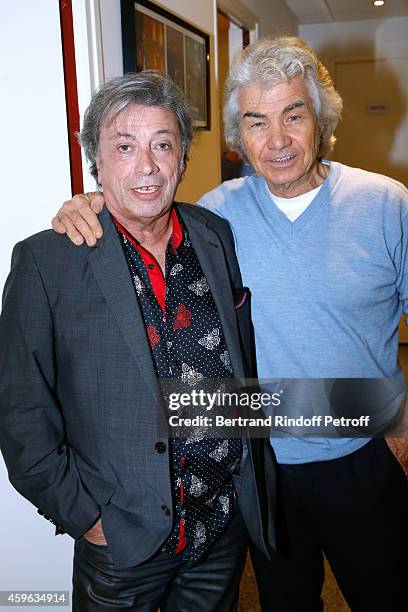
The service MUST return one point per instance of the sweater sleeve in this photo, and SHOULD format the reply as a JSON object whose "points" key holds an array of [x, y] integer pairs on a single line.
{"points": [[400, 257]]}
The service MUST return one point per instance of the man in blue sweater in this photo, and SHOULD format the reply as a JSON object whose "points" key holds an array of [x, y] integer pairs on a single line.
{"points": [[323, 249]]}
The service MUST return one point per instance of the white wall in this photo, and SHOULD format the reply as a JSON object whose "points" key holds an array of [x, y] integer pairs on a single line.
{"points": [[376, 37], [275, 18], [35, 180], [383, 39], [34, 147], [196, 11]]}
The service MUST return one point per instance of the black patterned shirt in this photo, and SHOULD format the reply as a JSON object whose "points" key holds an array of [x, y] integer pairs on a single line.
{"points": [[187, 342]]}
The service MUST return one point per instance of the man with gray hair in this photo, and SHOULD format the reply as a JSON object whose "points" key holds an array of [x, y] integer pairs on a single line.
{"points": [[323, 248], [87, 333]]}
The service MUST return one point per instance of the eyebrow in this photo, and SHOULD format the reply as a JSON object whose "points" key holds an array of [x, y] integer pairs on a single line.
{"points": [[287, 109], [132, 137], [253, 114], [291, 107]]}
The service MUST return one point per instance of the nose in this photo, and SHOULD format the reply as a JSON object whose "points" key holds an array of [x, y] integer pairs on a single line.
{"points": [[278, 137], [145, 163]]}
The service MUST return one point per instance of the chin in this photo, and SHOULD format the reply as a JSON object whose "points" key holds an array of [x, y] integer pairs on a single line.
{"points": [[281, 179], [148, 212]]}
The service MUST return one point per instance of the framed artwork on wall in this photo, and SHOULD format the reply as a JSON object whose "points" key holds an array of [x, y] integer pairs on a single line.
{"points": [[153, 38]]}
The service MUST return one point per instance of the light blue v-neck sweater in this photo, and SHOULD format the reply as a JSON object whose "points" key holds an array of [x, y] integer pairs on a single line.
{"points": [[328, 289]]}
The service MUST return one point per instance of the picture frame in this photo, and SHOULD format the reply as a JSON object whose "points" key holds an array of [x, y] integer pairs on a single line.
{"points": [[154, 38]]}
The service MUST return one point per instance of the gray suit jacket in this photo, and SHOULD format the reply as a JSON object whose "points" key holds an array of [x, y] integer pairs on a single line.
{"points": [[79, 396]]}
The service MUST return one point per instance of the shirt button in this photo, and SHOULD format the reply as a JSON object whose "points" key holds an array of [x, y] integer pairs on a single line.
{"points": [[165, 510], [160, 447], [150, 266]]}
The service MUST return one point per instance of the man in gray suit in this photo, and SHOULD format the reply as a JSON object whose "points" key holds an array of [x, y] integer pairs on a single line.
{"points": [[86, 334]]}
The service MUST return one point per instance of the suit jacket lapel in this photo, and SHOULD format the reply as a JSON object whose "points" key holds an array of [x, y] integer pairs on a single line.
{"points": [[108, 264], [210, 253]]}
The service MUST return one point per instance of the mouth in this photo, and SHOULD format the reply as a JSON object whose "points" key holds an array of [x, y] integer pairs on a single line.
{"points": [[147, 189], [282, 160]]}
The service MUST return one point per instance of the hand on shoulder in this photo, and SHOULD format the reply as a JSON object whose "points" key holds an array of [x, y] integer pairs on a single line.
{"points": [[78, 218]]}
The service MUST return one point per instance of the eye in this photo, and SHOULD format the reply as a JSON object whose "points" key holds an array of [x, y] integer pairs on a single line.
{"points": [[293, 118], [124, 148], [257, 124], [163, 146]]}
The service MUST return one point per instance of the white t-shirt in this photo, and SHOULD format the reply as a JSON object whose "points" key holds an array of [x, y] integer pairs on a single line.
{"points": [[293, 207]]}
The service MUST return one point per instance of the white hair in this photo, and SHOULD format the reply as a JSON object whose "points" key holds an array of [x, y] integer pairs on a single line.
{"points": [[271, 61]]}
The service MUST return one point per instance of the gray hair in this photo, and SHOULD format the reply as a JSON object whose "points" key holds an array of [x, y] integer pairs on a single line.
{"points": [[147, 88], [271, 61]]}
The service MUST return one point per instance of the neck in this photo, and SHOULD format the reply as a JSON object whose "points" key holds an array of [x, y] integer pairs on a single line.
{"points": [[313, 179], [152, 234], [148, 232]]}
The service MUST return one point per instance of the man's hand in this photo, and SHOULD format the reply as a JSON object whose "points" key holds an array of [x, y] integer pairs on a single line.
{"points": [[95, 534], [78, 218]]}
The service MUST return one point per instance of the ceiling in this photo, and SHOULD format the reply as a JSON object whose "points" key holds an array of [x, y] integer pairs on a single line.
{"points": [[324, 11]]}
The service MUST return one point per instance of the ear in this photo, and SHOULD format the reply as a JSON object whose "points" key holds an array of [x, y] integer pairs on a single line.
{"points": [[182, 167], [98, 163]]}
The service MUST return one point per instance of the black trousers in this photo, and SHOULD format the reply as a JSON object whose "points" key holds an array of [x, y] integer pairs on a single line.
{"points": [[355, 510], [171, 582]]}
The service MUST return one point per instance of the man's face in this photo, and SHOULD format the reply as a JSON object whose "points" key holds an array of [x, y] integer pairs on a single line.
{"points": [[280, 136], [139, 163]]}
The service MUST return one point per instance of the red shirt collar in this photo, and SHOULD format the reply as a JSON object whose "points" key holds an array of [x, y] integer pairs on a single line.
{"points": [[176, 236]]}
